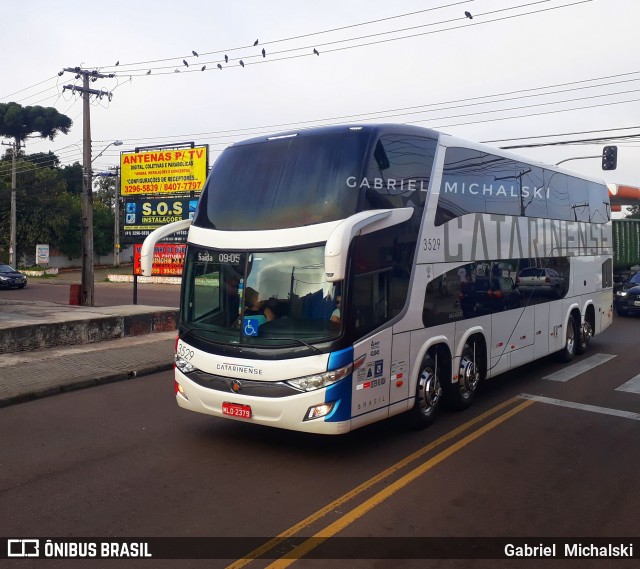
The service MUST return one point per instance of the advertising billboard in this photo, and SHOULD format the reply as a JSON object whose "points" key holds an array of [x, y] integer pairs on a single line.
{"points": [[168, 259], [143, 215], [177, 171]]}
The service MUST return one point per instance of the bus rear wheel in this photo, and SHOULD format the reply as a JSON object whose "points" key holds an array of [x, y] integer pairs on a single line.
{"points": [[428, 395], [460, 395], [567, 353], [586, 333]]}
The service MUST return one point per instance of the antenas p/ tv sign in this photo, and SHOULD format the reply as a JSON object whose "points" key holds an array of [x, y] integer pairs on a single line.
{"points": [[163, 171]]}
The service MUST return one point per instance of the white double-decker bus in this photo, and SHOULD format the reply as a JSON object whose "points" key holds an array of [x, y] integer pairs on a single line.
{"points": [[338, 276]]}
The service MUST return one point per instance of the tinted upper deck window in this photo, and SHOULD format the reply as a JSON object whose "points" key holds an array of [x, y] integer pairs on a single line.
{"points": [[399, 172], [287, 182], [478, 182]]}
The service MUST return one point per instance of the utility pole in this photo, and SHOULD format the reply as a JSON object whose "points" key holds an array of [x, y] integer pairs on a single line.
{"points": [[87, 287], [13, 253]]}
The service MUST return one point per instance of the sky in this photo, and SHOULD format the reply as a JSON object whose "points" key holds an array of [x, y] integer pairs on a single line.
{"points": [[519, 72]]}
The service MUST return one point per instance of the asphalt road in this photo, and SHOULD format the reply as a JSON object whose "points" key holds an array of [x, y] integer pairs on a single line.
{"points": [[57, 289], [123, 460]]}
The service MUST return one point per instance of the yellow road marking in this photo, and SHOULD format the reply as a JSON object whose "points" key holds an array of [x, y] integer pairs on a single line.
{"points": [[293, 530], [359, 511]]}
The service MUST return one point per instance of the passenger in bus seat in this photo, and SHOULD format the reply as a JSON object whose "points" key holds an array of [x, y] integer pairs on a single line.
{"points": [[335, 315]]}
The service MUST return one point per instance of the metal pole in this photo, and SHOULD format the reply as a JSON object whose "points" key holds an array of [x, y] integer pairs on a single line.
{"points": [[87, 201], [116, 224], [135, 286], [578, 158]]}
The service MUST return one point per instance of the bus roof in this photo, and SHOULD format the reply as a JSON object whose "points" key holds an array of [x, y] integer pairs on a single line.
{"points": [[378, 129]]}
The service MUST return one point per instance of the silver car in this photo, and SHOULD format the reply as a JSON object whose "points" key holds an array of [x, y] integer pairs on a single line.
{"points": [[535, 280]]}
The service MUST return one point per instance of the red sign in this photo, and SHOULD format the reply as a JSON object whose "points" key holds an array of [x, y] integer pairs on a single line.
{"points": [[168, 259]]}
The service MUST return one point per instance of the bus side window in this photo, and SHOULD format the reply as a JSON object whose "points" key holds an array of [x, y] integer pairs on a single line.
{"points": [[381, 268]]}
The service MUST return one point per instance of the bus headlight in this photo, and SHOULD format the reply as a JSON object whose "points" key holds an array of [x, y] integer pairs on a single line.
{"points": [[319, 411], [320, 380], [183, 365]]}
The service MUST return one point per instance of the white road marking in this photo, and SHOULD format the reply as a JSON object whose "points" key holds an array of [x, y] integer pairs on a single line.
{"points": [[578, 368], [632, 386], [582, 407]]}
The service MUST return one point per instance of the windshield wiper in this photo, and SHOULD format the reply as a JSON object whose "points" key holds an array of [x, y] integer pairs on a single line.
{"points": [[311, 347]]}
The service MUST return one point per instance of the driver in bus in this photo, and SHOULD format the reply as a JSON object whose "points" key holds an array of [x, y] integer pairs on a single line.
{"points": [[257, 308]]}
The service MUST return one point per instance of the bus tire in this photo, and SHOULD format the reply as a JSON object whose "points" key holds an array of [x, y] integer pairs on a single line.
{"points": [[428, 395], [586, 332], [567, 353], [460, 395]]}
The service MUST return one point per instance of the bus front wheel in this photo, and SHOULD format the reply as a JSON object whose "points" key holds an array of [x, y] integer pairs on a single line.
{"points": [[460, 395], [428, 395]]}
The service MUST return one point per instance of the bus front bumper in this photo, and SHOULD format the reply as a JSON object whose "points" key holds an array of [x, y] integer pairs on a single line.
{"points": [[282, 412]]}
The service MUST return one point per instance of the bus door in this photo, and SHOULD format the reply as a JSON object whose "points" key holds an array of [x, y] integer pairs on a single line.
{"points": [[372, 378]]}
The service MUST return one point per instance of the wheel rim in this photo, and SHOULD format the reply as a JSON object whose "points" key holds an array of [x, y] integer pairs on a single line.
{"points": [[587, 332], [571, 339], [469, 375], [430, 391]]}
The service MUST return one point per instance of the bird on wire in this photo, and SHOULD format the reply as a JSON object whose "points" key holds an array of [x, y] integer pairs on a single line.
{"points": [[194, 53], [185, 63], [117, 62], [219, 66], [149, 72], [226, 59], [242, 63], [264, 53], [316, 51], [468, 15], [203, 68], [176, 71], [255, 43]]}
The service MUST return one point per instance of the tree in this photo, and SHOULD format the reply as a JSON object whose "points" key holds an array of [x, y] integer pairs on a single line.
{"points": [[18, 122], [634, 212], [74, 177], [105, 189]]}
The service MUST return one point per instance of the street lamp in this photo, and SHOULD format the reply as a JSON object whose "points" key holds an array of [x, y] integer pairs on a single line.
{"points": [[114, 143], [87, 286]]}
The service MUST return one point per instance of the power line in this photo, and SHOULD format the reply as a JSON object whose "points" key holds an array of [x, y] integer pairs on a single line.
{"points": [[311, 34], [178, 65], [27, 88], [556, 135], [257, 130]]}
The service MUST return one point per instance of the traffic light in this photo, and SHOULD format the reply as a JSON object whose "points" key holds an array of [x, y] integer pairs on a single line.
{"points": [[609, 157]]}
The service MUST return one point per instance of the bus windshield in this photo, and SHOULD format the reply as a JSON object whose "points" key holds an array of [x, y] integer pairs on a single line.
{"points": [[269, 299], [288, 182]]}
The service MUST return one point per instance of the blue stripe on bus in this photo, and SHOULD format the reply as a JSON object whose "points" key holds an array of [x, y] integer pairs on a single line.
{"points": [[340, 393], [340, 359]]}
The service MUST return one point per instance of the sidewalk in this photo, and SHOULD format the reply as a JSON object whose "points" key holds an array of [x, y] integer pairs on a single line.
{"points": [[28, 375], [48, 348]]}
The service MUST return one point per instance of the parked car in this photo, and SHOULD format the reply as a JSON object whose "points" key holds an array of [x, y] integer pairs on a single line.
{"points": [[10, 278], [627, 298], [535, 280], [487, 295]]}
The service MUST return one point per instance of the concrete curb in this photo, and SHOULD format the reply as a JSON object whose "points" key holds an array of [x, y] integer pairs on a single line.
{"points": [[84, 383], [89, 330]]}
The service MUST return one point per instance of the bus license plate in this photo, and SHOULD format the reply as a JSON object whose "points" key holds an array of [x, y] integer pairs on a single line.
{"points": [[236, 410]]}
